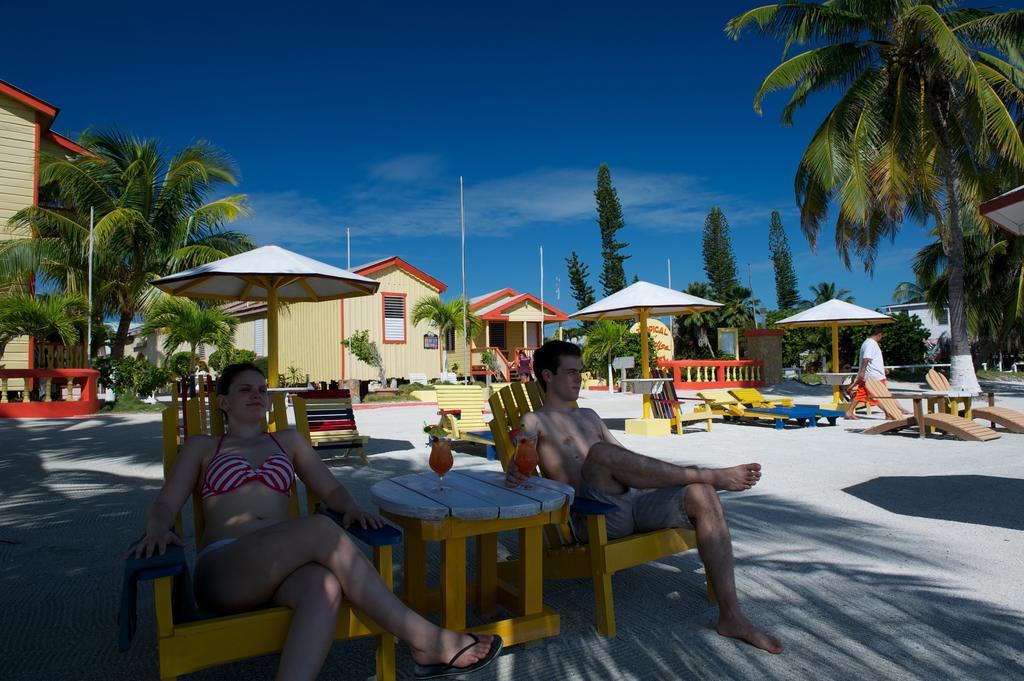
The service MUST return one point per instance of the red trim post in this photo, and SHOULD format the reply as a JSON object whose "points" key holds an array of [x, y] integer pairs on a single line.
{"points": [[383, 318]]}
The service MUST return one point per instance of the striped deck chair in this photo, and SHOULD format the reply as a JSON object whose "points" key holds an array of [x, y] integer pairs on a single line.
{"points": [[326, 417], [668, 405]]}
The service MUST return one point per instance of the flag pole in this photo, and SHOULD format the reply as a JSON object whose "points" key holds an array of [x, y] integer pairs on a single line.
{"points": [[465, 307], [88, 332], [541, 295]]}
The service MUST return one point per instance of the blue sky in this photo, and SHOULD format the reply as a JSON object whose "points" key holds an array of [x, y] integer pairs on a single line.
{"points": [[364, 115]]}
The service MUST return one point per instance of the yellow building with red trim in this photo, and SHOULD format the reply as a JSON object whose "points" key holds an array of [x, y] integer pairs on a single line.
{"points": [[25, 133]]}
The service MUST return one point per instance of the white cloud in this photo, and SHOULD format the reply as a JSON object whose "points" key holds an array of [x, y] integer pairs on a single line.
{"points": [[413, 196]]}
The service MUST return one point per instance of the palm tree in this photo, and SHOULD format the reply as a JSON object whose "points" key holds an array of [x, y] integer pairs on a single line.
{"points": [[908, 292], [445, 317], [605, 340], [737, 310], [826, 291], [698, 323], [925, 124], [40, 317], [153, 216], [185, 322]]}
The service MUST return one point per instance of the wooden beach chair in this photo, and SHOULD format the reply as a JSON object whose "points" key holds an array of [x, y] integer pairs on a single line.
{"points": [[668, 405], [326, 417], [186, 645], [731, 409], [1010, 419], [564, 557], [461, 408], [956, 426], [752, 397]]}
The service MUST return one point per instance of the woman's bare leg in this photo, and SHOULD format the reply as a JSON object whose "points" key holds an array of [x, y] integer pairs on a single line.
{"points": [[272, 554], [314, 593]]}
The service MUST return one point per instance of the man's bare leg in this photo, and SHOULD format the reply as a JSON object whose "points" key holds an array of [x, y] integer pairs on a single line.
{"points": [[714, 543], [613, 468]]}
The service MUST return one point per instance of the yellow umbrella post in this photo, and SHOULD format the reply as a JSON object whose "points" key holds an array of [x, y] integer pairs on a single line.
{"points": [[645, 364], [272, 370], [835, 359]]}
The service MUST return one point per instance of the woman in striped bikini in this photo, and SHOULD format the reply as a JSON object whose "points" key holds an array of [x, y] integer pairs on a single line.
{"points": [[252, 554]]}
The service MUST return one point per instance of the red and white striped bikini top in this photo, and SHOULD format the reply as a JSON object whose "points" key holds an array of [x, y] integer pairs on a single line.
{"points": [[230, 471]]}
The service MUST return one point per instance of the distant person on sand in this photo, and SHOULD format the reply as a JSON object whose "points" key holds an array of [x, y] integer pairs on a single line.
{"points": [[871, 366], [576, 448]]}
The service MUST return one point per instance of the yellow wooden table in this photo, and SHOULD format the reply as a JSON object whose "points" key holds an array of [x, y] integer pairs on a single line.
{"points": [[476, 504]]}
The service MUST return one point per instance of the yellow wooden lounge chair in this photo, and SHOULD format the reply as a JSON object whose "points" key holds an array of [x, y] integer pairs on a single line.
{"points": [[461, 408], [1010, 419], [956, 426], [564, 558], [752, 397], [326, 417], [184, 647]]}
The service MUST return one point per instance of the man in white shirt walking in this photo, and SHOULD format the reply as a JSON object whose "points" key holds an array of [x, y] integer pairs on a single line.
{"points": [[872, 366]]}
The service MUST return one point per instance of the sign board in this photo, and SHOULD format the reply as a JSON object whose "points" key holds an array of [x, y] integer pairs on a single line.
{"points": [[430, 341], [661, 335], [623, 363], [729, 342]]}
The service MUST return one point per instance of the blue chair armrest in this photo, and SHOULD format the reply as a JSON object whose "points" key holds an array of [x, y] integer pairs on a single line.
{"points": [[585, 506], [388, 535], [171, 564]]}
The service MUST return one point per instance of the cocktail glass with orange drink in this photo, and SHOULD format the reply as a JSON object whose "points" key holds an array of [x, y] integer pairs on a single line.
{"points": [[526, 458], [441, 460]]}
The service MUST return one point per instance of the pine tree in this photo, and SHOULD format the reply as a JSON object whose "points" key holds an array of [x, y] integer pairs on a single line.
{"points": [[786, 295], [609, 219], [582, 291], [719, 260]]}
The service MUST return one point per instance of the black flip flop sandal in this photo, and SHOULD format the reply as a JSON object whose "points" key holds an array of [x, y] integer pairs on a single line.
{"points": [[436, 671]]}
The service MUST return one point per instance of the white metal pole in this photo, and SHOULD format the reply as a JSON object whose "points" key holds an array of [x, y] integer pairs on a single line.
{"points": [[348, 266], [541, 295], [465, 305], [88, 332]]}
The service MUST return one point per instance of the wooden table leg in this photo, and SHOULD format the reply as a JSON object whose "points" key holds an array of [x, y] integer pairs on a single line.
{"points": [[531, 570], [453, 583], [415, 572], [487, 573], [922, 429]]}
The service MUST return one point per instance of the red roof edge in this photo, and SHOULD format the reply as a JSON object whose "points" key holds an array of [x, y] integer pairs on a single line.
{"points": [[555, 315], [491, 298], [403, 265], [65, 143], [28, 100], [1003, 201]]}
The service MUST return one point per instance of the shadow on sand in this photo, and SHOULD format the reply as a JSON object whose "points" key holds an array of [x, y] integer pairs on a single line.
{"points": [[975, 499]]}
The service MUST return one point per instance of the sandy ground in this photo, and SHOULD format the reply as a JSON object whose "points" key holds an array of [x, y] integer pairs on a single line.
{"points": [[882, 557]]}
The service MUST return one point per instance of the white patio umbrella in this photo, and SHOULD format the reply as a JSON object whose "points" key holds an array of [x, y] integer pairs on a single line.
{"points": [[1007, 210], [272, 274], [835, 313], [640, 301]]}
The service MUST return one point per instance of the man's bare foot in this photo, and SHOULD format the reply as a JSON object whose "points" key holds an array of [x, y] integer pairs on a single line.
{"points": [[450, 643], [852, 417], [737, 478], [740, 627]]}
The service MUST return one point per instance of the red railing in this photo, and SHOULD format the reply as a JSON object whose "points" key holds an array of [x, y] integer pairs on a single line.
{"points": [[63, 393], [479, 368], [698, 374]]}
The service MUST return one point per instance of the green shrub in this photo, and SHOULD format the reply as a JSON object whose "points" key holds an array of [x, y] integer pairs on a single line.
{"points": [[152, 380], [178, 364], [125, 376], [903, 342], [261, 364], [222, 358]]}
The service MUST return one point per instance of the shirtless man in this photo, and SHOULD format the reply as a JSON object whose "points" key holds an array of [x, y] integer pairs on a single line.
{"points": [[575, 447]]}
